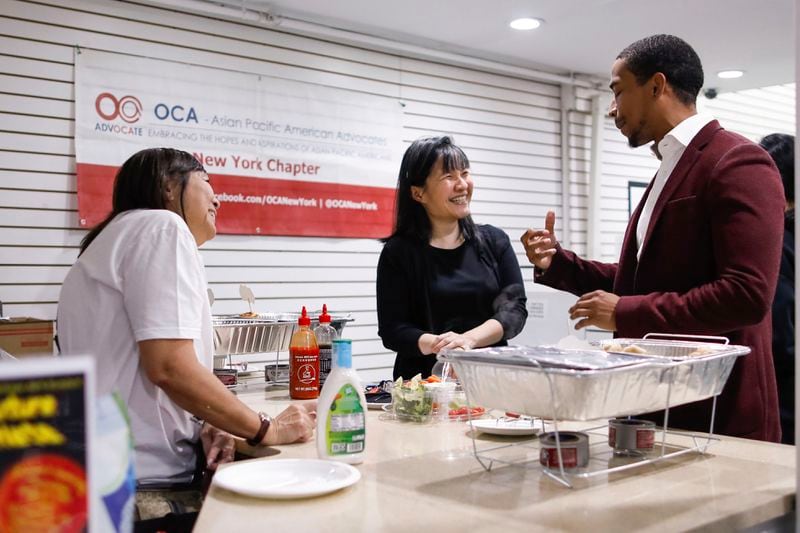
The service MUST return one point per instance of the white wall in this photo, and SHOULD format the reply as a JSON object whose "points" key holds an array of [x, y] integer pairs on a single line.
{"points": [[509, 127]]}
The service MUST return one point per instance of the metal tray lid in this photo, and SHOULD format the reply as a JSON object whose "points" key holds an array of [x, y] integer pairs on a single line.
{"points": [[544, 357]]}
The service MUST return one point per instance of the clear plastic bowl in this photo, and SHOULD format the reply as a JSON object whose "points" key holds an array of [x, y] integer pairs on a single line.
{"points": [[441, 394], [412, 404]]}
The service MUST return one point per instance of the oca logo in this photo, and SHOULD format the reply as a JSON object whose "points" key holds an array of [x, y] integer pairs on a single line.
{"points": [[177, 113], [128, 108]]}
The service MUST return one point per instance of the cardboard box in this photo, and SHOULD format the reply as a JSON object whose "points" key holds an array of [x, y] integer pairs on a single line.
{"points": [[23, 336]]}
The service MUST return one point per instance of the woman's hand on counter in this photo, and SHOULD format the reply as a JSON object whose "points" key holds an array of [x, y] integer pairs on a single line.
{"points": [[486, 334], [425, 343], [218, 446], [429, 343], [295, 424], [451, 341]]}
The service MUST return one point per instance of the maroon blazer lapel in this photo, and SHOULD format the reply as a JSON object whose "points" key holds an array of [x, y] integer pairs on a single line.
{"points": [[681, 171], [624, 282]]}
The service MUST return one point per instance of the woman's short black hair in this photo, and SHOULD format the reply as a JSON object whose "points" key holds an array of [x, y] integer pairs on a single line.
{"points": [[670, 55], [142, 180], [780, 147], [411, 219]]}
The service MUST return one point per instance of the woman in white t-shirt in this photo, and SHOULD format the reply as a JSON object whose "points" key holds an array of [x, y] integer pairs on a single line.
{"points": [[136, 301]]}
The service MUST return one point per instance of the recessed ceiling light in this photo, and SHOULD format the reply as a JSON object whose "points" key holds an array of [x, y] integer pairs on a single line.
{"points": [[525, 24], [729, 74]]}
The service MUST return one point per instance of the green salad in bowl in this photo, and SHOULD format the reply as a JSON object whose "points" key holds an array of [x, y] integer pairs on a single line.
{"points": [[411, 401]]}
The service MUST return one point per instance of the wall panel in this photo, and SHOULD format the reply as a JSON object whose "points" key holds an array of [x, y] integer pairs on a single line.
{"points": [[509, 127]]}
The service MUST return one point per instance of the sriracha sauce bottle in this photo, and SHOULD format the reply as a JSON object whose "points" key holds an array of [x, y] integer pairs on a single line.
{"points": [[303, 361]]}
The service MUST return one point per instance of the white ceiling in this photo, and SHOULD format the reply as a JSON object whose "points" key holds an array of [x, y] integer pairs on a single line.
{"points": [[582, 36]]}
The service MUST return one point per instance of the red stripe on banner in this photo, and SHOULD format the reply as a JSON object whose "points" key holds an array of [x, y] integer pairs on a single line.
{"points": [[267, 206], [95, 188]]}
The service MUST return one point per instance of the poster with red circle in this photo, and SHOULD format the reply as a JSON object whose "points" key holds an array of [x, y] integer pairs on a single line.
{"points": [[44, 452]]}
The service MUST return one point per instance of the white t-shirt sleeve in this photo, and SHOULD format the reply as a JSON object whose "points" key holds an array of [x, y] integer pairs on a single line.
{"points": [[163, 284]]}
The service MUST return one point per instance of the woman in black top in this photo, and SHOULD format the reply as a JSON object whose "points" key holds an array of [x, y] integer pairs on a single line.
{"points": [[443, 281]]}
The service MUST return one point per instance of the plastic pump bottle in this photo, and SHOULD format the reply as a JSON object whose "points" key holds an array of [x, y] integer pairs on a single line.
{"points": [[325, 333], [303, 361], [341, 410]]}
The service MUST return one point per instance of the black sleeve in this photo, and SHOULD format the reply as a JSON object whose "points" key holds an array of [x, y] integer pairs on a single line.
{"points": [[509, 305], [783, 318], [395, 289]]}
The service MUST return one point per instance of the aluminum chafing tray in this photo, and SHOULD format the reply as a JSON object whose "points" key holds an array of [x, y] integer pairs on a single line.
{"points": [[266, 332], [513, 378]]}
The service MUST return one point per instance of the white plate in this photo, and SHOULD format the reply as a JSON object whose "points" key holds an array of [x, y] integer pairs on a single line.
{"points": [[284, 479], [377, 405], [500, 426]]}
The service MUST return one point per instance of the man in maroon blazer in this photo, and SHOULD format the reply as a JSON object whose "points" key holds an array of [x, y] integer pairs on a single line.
{"points": [[701, 251]]}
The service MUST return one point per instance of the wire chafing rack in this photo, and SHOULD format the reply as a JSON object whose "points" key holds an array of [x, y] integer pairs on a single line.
{"points": [[264, 333], [543, 382]]}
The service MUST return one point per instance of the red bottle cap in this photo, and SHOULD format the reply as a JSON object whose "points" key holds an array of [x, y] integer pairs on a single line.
{"points": [[304, 319], [324, 317]]}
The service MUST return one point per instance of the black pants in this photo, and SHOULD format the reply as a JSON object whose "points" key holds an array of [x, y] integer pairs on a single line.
{"points": [[171, 523], [181, 501]]}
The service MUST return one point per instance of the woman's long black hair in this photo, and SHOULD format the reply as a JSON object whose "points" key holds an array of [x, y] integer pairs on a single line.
{"points": [[142, 180], [411, 219]]}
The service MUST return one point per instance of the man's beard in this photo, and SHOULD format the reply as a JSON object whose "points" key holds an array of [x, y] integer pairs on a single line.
{"points": [[636, 137]]}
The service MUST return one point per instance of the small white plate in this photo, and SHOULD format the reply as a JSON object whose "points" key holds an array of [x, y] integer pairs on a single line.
{"points": [[285, 479], [377, 405], [500, 426]]}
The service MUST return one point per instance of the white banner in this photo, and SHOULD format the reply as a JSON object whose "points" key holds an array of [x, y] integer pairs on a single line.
{"points": [[294, 138]]}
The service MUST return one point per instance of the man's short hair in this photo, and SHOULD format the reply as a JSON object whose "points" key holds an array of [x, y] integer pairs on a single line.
{"points": [[671, 56]]}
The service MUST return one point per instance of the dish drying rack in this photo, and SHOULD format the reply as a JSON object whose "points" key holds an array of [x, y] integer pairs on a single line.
{"points": [[267, 334], [666, 377]]}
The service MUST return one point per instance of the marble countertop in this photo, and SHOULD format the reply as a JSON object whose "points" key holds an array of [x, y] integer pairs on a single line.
{"points": [[419, 477]]}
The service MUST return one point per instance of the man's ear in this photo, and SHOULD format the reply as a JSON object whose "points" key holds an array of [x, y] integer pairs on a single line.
{"points": [[659, 84]]}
